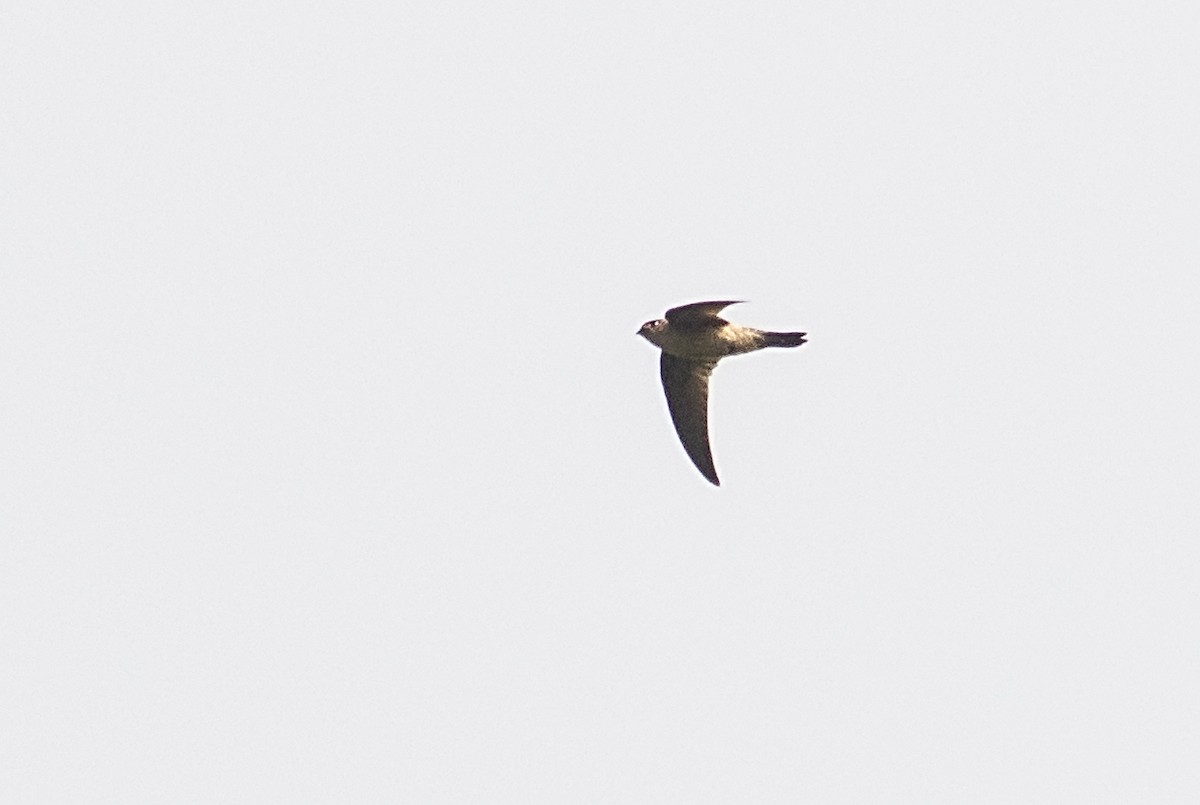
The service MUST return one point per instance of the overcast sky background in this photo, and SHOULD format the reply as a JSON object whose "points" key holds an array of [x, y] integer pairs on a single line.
{"points": [[332, 470]]}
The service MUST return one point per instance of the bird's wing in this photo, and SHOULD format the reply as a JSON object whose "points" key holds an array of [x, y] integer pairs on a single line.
{"points": [[698, 313], [686, 384]]}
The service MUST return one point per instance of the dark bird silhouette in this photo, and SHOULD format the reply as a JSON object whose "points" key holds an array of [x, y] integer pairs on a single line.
{"points": [[692, 339]]}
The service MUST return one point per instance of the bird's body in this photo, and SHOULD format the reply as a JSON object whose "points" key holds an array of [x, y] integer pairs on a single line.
{"points": [[692, 339], [705, 341]]}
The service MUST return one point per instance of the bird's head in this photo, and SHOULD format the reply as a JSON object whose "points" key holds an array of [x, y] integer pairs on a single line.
{"points": [[651, 329]]}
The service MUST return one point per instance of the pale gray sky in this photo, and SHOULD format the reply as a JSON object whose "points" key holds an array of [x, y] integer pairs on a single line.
{"points": [[333, 470]]}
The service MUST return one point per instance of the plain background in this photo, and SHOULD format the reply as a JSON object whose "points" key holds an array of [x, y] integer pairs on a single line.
{"points": [[332, 470]]}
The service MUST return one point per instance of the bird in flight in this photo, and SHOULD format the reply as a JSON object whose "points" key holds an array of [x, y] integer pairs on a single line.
{"points": [[692, 339]]}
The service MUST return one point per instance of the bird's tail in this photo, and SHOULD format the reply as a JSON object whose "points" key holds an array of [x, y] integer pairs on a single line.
{"points": [[783, 339]]}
